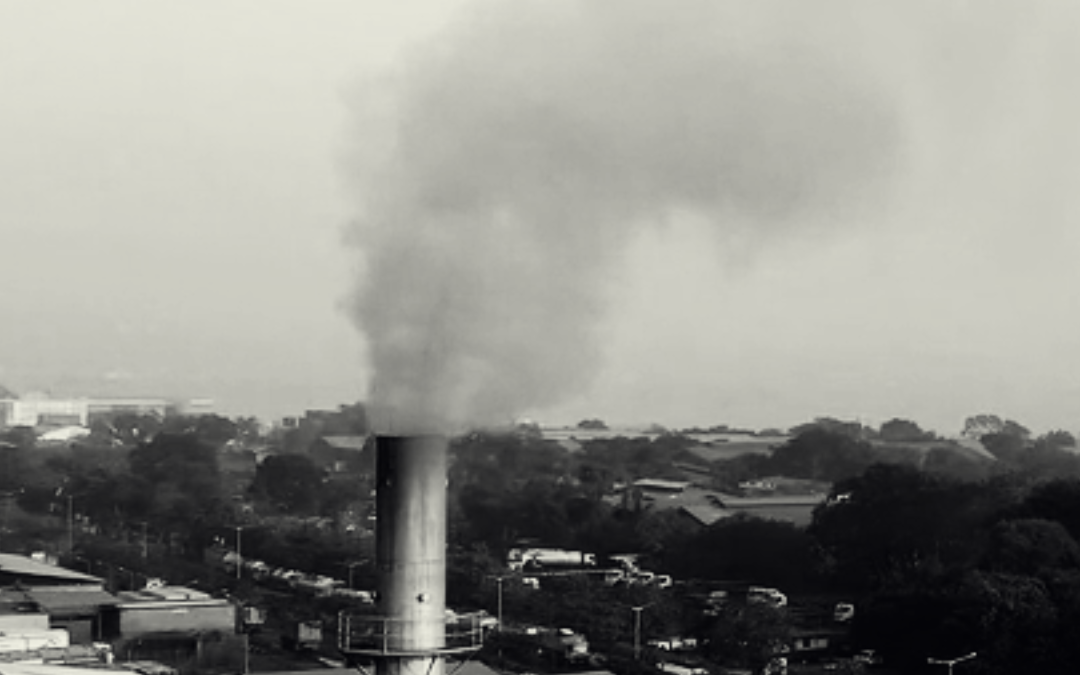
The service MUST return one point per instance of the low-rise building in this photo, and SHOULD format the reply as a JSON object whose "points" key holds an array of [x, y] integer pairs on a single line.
{"points": [[40, 409], [185, 628], [36, 596]]}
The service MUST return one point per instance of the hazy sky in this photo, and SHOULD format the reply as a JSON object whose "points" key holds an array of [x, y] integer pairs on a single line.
{"points": [[177, 181]]}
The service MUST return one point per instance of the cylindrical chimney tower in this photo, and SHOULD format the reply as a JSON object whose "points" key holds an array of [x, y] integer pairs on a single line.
{"points": [[410, 541]]}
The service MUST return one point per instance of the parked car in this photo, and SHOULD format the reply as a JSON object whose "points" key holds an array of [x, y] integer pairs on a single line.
{"points": [[679, 669], [366, 597], [768, 596], [844, 612], [868, 657], [673, 643]]}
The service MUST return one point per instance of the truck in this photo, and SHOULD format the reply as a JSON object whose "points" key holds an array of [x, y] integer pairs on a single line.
{"points": [[542, 648], [303, 636], [520, 559], [564, 642]]}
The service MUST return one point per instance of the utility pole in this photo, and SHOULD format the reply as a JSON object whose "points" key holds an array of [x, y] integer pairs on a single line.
{"points": [[71, 524], [499, 583], [7, 497], [351, 566], [637, 630], [950, 662], [239, 528], [144, 541]]}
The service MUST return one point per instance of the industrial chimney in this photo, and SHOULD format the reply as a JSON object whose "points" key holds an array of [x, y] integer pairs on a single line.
{"points": [[410, 635], [410, 543]]}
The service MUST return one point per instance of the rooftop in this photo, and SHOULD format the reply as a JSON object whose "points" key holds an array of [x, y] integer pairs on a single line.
{"points": [[19, 566], [709, 506], [57, 600], [346, 442]]}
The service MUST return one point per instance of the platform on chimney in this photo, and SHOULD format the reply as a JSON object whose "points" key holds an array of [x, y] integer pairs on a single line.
{"points": [[373, 636]]}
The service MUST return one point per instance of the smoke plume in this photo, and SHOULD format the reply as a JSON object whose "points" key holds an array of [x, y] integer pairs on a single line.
{"points": [[503, 170]]}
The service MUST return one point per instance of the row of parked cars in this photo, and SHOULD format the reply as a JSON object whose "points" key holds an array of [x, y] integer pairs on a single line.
{"points": [[312, 584]]}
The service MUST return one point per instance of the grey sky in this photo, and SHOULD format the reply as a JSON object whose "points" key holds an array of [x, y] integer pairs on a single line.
{"points": [[176, 180]]}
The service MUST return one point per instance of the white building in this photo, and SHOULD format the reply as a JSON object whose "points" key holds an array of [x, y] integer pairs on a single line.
{"points": [[39, 409]]}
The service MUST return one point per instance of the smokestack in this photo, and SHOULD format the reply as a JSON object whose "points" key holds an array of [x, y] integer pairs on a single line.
{"points": [[410, 540]]}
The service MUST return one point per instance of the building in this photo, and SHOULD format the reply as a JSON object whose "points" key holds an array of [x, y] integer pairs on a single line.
{"points": [[705, 507], [344, 454], [795, 509], [70, 601], [179, 626], [43, 606], [19, 570], [39, 409]]}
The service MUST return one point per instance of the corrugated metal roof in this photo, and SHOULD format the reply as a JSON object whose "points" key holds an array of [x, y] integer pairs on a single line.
{"points": [[18, 565], [316, 671], [49, 669], [706, 515], [470, 668], [661, 484], [71, 600]]}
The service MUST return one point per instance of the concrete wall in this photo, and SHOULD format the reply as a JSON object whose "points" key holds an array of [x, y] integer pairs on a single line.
{"points": [[25, 641], [14, 623], [153, 617]]}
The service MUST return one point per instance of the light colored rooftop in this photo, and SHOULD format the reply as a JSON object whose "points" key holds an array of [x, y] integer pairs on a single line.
{"points": [[19, 565]]}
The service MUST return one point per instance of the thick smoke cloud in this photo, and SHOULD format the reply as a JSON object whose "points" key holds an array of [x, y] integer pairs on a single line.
{"points": [[503, 171]]}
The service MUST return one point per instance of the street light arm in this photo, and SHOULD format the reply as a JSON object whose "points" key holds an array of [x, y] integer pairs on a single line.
{"points": [[950, 662]]}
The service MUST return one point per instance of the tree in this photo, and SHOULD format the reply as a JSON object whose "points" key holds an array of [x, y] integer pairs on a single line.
{"points": [[1056, 500], [854, 430], [248, 430], [978, 426], [215, 429], [747, 635], [1031, 547], [903, 431], [592, 424], [181, 473], [290, 482], [766, 552], [180, 459], [15, 444], [895, 523], [1004, 446], [1010, 620], [957, 463], [821, 454], [1058, 439]]}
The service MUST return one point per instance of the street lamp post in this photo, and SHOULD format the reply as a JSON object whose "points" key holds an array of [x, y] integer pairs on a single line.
{"points": [[144, 541], [499, 583], [950, 662], [7, 497], [71, 523], [499, 579], [637, 629], [131, 576], [351, 566], [238, 558]]}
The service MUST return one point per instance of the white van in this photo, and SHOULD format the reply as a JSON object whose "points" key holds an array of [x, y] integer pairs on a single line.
{"points": [[768, 596]]}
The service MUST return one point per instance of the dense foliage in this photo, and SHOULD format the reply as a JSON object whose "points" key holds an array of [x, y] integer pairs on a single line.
{"points": [[946, 547]]}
